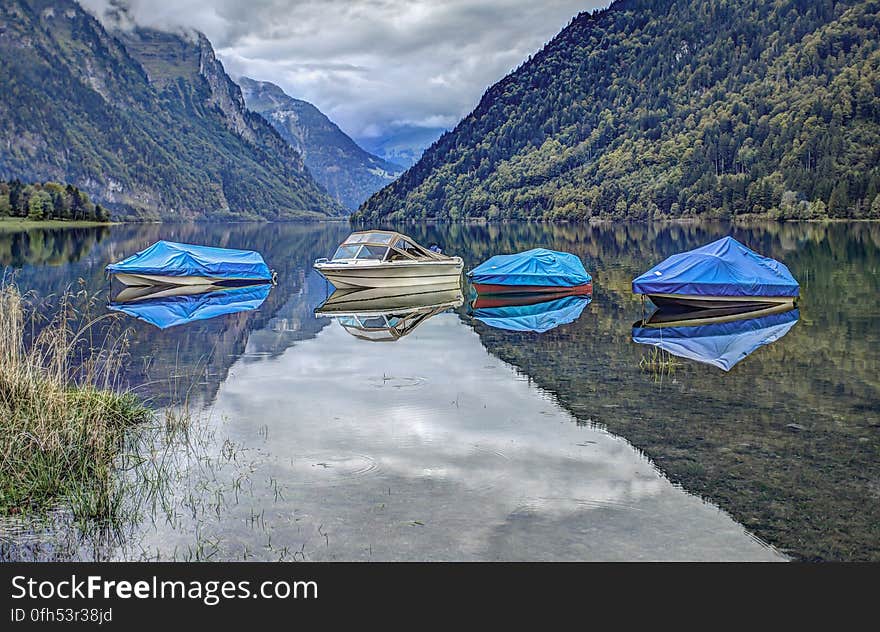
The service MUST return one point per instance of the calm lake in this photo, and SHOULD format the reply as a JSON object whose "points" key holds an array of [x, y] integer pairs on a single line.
{"points": [[466, 440]]}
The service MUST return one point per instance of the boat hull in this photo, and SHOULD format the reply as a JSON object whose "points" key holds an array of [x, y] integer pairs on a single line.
{"points": [[130, 279], [132, 293], [382, 300], [547, 290], [709, 302], [665, 317], [392, 275]]}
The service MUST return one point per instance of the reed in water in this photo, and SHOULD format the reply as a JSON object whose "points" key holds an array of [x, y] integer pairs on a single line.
{"points": [[62, 411]]}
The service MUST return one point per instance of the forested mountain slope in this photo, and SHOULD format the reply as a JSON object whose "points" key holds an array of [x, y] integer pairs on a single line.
{"points": [[152, 128], [657, 108]]}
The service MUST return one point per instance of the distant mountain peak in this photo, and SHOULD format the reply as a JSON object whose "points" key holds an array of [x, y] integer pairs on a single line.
{"points": [[348, 172], [403, 144], [147, 122]]}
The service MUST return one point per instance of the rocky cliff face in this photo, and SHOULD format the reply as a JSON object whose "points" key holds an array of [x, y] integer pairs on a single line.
{"points": [[349, 173], [225, 94], [148, 123]]}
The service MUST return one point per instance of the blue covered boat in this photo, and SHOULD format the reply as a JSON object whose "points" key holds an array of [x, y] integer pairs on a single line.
{"points": [[724, 271], [521, 314], [170, 263], [168, 307], [720, 341], [534, 271]]}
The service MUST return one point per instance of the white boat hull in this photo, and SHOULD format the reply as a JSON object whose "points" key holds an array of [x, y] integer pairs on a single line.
{"points": [[392, 274], [156, 279], [133, 293], [386, 300]]}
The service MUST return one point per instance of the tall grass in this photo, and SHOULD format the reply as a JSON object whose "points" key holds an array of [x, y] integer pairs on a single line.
{"points": [[62, 412]]}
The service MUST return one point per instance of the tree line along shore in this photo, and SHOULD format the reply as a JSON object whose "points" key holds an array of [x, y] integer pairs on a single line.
{"points": [[48, 201]]}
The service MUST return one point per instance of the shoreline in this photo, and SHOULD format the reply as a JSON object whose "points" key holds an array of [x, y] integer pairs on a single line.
{"points": [[15, 224], [12, 224]]}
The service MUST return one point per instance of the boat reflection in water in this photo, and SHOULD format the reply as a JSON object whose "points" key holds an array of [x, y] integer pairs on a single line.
{"points": [[388, 314], [168, 306], [721, 337], [529, 312]]}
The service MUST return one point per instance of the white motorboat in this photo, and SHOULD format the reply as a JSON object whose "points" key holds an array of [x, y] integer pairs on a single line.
{"points": [[388, 259]]}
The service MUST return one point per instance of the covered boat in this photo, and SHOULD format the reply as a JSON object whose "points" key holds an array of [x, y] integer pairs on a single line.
{"points": [[535, 312], [169, 306], [534, 271], [171, 263], [384, 314], [719, 339], [383, 259], [724, 271]]}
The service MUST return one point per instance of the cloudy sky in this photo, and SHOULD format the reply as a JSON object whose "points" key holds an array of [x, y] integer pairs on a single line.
{"points": [[370, 65]]}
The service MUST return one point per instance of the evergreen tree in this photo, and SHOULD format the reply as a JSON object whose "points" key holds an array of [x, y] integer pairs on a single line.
{"points": [[838, 205]]}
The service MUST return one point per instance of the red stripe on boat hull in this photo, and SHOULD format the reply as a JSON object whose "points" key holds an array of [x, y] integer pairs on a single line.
{"points": [[484, 301], [488, 288]]}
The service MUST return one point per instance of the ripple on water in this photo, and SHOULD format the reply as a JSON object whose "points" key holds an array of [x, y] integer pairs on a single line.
{"points": [[487, 450], [392, 381], [324, 468], [492, 470], [542, 504]]}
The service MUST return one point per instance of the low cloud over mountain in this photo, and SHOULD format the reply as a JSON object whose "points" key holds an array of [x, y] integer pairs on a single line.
{"points": [[371, 65]]}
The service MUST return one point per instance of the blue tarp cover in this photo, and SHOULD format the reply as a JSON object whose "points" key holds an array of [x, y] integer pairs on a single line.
{"points": [[722, 268], [539, 317], [538, 266], [178, 310], [168, 258], [719, 344]]}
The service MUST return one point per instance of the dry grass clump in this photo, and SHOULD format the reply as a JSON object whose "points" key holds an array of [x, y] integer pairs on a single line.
{"points": [[62, 414]]}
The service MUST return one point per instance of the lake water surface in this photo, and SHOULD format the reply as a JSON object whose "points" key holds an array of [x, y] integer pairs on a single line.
{"points": [[463, 440]]}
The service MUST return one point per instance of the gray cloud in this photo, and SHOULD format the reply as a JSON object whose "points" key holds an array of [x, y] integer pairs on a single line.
{"points": [[370, 65]]}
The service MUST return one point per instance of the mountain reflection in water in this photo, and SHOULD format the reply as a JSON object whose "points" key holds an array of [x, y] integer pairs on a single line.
{"points": [[467, 441]]}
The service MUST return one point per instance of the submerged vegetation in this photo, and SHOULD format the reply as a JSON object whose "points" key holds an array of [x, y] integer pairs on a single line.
{"points": [[788, 441], [659, 363], [62, 414]]}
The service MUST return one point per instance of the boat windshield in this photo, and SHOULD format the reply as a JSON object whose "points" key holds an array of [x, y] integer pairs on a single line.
{"points": [[371, 238], [346, 252], [372, 252], [383, 246], [373, 322], [380, 238]]}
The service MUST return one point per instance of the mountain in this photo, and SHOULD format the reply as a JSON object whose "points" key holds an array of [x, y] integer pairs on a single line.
{"points": [[660, 108], [349, 173], [147, 123], [404, 145]]}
